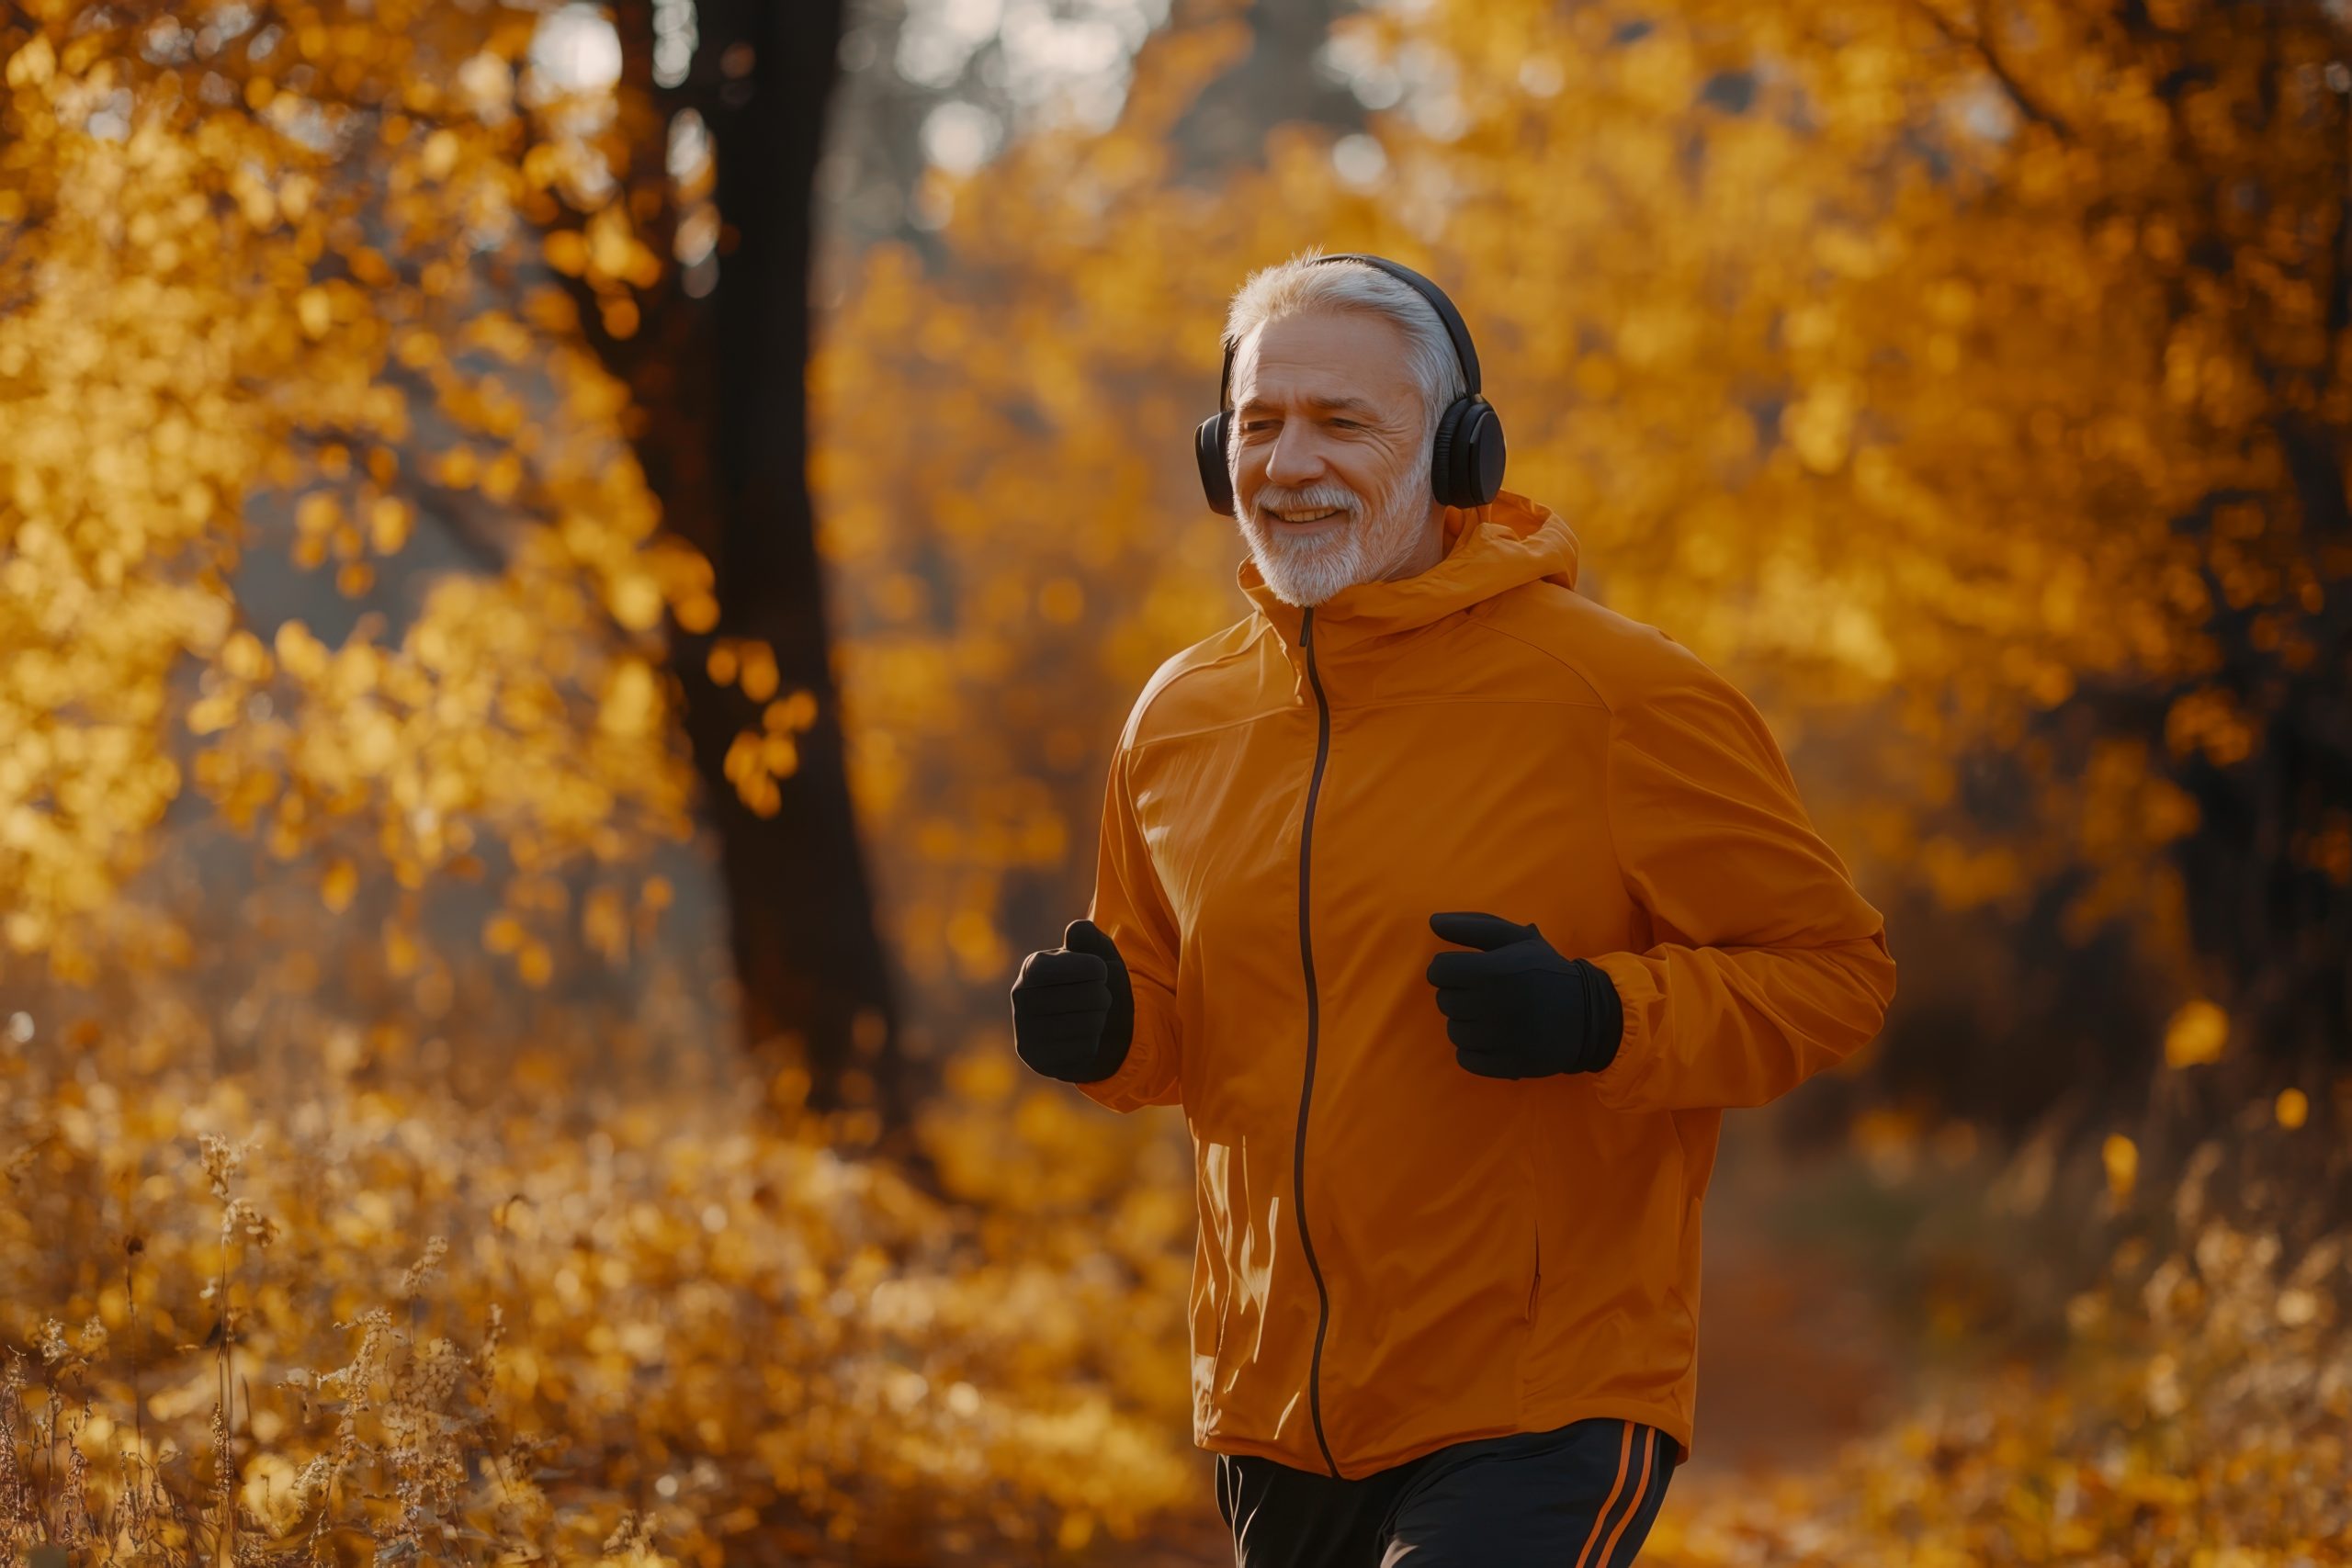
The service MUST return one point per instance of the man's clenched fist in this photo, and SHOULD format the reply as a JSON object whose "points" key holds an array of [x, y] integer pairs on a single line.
{"points": [[1073, 1011], [1517, 1008]]}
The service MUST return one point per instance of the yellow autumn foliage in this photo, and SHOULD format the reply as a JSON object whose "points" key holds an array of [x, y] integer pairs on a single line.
{"points": [[1883, 352]]}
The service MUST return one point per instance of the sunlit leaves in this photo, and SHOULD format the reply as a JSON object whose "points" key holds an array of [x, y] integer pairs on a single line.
{"points": [[757, 760], [278, 261]]}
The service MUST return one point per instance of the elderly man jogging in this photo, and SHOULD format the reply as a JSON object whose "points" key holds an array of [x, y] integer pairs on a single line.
{"points": [[1453, 908]]}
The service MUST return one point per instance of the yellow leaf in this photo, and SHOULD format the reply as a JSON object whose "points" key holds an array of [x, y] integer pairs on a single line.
{"points": [[566, 252], [243, 655], [2195, 1033], [300, 653], [33, 65], [760, 679], [635, 601], [2123, 1158], [388, 525], [631, 702]]}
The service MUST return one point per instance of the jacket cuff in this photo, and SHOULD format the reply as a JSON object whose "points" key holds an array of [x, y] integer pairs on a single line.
{"points": [[1604, 1018], [1144, 1076], [1635, 991]]}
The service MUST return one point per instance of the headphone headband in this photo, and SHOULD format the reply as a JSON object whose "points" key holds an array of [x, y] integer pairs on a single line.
{"points": [[1465, 351]]}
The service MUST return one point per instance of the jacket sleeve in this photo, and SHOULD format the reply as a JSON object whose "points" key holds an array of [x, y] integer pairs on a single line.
{"points": [[1130, 907], [1768, 966]]}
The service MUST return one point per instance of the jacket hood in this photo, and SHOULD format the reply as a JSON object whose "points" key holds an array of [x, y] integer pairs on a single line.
{"points": [[1489, 548]]}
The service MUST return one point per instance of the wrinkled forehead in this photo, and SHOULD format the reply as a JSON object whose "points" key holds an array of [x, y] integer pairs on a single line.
{"points": [[1325, 358]]}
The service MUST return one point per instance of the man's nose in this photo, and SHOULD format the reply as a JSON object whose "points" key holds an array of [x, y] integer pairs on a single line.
{"points": [[1294, 458]]}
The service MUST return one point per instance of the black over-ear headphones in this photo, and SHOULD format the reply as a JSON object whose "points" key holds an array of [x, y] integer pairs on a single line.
{"points": [[1466, 460]]}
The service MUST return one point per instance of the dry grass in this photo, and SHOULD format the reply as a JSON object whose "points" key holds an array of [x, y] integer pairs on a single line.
{"points": [[2198, 1418], [374, 1326]]}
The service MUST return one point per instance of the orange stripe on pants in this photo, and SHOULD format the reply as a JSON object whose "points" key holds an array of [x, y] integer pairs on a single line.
{"points": [[1624, 1453], [1649, 1451]]}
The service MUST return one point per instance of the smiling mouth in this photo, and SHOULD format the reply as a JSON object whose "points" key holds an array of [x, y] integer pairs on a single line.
{"points": [[1302, 520]]}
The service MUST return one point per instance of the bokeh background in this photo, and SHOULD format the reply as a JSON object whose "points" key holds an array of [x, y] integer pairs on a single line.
{"points": [[569, 573]]}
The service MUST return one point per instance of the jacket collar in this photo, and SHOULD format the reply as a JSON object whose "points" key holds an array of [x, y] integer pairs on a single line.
{"points": [[1489, 548]]}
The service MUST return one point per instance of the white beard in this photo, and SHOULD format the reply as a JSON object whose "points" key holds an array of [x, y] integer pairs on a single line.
{"points": [[1308, 569]]}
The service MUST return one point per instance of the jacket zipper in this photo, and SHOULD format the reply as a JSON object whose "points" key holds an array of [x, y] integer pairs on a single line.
{"points": [[1307, 1085]]}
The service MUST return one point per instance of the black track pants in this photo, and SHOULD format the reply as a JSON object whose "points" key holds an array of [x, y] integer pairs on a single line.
{"points": [[1580, 1496]]}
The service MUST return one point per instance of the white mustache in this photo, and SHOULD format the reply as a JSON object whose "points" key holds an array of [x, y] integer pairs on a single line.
{"points": [[1313, 497]]}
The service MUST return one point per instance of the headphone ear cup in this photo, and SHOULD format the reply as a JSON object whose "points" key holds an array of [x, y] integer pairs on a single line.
{"points": [[1441, 454], [1466, 459], [1208, 450], [1445, 455], [1482, 455]]}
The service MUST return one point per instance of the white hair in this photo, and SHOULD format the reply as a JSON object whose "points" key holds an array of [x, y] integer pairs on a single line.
{"points": [[1304, 284]]}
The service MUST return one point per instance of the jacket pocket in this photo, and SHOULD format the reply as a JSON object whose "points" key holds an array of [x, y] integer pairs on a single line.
{"points": [[1223, 1185], [1535, 1143], [1535, 1263]]}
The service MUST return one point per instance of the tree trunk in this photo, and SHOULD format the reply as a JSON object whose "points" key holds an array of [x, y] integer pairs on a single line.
{"points": [[720, 382]]}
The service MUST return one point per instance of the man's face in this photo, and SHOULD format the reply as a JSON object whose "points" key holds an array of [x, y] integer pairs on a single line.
{"points": [[1330, 467]]}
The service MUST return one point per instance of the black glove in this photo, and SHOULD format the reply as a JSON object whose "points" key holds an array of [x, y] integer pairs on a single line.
{"points": [[1519, 1010], [1073, 1010]]}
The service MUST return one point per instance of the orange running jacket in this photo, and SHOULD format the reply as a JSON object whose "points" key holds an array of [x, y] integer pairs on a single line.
{"points": [[1394, 1253]]}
